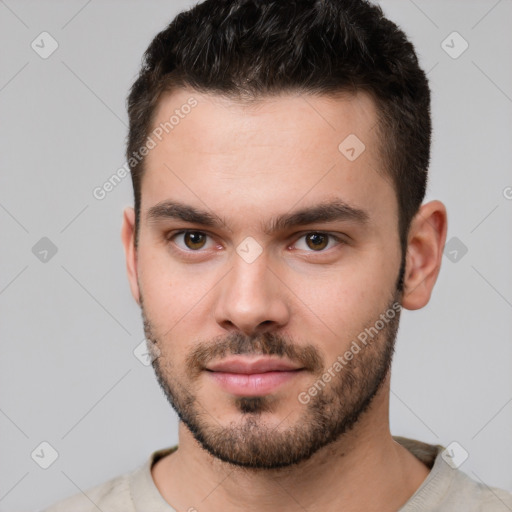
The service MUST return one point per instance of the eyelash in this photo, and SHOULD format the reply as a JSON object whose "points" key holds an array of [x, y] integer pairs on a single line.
{"points": [[190, 253]]}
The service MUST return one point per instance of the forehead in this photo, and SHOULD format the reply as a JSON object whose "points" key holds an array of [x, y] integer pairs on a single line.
{"points": [[298, 116], [276, 151]]}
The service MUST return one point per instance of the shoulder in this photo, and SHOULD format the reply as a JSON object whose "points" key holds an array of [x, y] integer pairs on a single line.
{"points": [[447, 488], [110, 496], [477, 496], [127, 492]]}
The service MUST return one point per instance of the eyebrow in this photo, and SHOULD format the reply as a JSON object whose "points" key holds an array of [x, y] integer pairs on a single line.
{"points": [[330, 211]]}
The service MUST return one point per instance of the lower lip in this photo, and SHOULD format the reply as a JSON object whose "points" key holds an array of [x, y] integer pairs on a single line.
{"points": [[255, 384]]}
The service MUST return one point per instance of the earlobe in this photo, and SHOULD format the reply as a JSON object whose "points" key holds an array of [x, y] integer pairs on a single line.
{"points": [[427, 236], [128, 239]]}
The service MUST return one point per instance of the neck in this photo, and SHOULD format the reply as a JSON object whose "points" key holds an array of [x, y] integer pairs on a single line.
{"points": [[364, 470]]}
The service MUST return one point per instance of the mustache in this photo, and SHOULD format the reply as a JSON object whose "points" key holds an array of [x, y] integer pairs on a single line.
{"points": [[269, 344]]}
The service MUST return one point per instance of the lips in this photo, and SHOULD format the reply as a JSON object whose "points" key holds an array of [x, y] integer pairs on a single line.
{"points": [[242, 376], [243, 365]]}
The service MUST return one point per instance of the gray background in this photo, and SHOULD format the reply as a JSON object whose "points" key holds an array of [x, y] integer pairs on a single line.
{"points": [[69, 326]]}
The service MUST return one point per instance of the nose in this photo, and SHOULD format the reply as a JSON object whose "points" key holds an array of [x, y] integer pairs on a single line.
{"points": [[252, 299]]}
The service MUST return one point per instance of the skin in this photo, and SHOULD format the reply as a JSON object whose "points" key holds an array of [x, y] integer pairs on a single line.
{"points": [[248, 164]]}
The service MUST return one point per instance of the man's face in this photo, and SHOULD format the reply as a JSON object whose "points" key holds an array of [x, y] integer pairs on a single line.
{"points": [[249, 286]]}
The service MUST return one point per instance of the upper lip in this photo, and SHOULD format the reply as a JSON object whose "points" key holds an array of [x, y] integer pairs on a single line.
{"points": [[245, 365]]}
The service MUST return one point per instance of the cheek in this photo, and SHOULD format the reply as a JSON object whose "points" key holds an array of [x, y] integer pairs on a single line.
{"points": [[361, 279], [175, 297], [336, 306], [163, 290]]}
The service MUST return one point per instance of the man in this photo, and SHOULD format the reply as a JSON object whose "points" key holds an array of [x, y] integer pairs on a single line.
{"points": [[279, 155]]}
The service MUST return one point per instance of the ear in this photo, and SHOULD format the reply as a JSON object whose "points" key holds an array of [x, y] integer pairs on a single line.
{"points": [[427, 236], [130, 251]]}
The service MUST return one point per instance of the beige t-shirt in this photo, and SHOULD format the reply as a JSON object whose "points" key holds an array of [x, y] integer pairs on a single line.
{"points": [[444, 490]]}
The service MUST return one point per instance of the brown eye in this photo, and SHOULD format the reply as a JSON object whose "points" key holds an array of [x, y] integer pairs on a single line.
{"points": [[317, 241], [194, 240]]}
